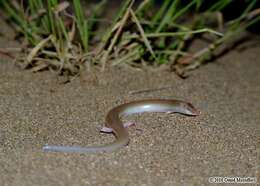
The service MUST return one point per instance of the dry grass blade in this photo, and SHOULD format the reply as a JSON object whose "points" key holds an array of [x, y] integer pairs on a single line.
{"points": [[61, 7], [146, 41], [56, 64], [254, 13], [40, 13], [40, 65], [72, 33], [132, 55], [35, 50], [116, 36]]}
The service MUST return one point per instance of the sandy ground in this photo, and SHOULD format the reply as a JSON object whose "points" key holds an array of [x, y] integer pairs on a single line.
{"points": [[165, 149]]}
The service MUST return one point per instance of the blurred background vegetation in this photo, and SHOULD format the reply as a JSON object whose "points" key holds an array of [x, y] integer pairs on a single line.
{"points": [[70, 36]]}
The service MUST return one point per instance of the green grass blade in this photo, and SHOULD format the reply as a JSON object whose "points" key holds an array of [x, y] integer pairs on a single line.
{"points": [[161, 11], [82, 24], [219, 5], [183, 10], [167, 18], [96, 11]]}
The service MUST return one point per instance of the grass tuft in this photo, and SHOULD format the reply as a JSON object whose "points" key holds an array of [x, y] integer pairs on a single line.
{"points": [[60, 36]]}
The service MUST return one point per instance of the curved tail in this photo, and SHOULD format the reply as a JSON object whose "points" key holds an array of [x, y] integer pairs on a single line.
{"points": [[118, 143]]}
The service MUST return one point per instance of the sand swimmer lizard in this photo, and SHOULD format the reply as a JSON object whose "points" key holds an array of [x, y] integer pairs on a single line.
{"points": [[115, 125]]}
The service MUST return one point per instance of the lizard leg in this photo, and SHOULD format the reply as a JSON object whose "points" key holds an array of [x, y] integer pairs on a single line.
{"points": [[109, 130]]}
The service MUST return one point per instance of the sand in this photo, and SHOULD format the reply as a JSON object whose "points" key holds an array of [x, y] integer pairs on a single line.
{"points": [[165, 149]]}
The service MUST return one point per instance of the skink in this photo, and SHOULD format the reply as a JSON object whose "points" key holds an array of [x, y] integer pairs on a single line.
{"points": [[113, 121]]}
